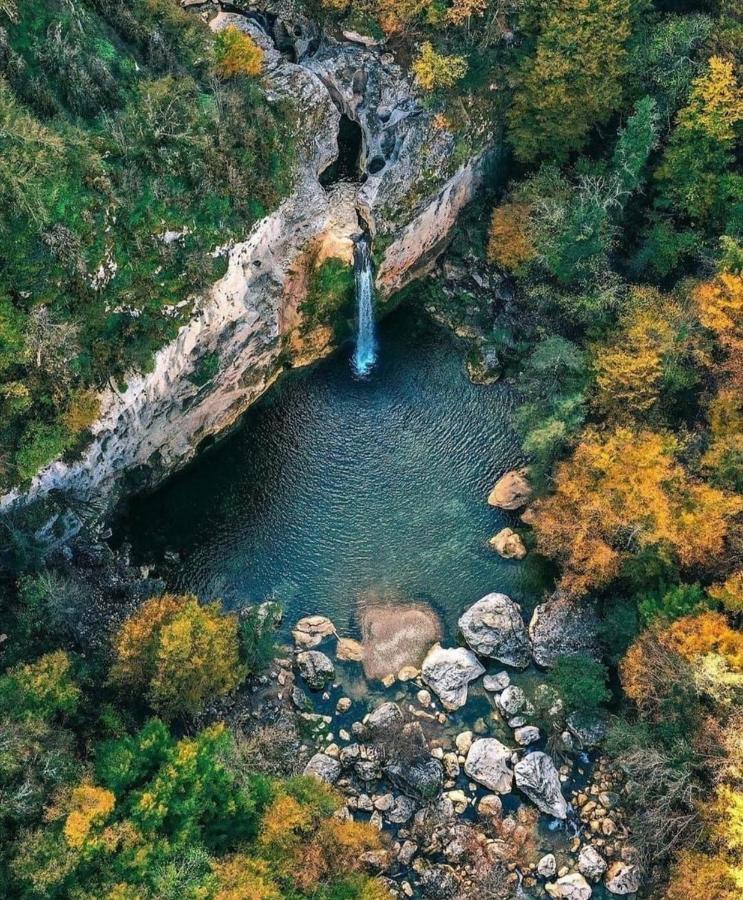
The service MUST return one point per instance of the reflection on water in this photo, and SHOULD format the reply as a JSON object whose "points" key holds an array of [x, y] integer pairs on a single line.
{"points": [[336, 487]]}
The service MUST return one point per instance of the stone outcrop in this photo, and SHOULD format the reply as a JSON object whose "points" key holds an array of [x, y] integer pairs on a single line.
{"points": [[511, 491], [411, 194], [448, 672], [311, 631], [493, 627], [508, 544], [563, 627], [487, 764], [538, 778]]}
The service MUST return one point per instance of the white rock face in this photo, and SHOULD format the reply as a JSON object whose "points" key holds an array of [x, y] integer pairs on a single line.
{"points": [[525, 735], [324, 768], [448, 672], [623, 878], [493, 627], [487, 764], [547, 866], [591, 863], [495, 683], [570, 887], [538, 778], [248, 318]]}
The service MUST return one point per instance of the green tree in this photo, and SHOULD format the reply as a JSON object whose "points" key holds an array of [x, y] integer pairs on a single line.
{"points": [[581, 683]]}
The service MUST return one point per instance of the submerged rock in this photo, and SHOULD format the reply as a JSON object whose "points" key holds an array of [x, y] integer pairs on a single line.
{"points": [[487, 764], [448, 672], [349, 650], [538, 778], [562, 627], [395, 636], [511, 491], [493, 627], [316, 669], [508, 544], [570, 887]]}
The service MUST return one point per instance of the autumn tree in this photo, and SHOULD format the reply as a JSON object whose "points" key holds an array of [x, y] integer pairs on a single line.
{"points": [[237, 54], [573, 79], [653, 354], [178, 652], [624, 491], [509, 243], [435, 70]]}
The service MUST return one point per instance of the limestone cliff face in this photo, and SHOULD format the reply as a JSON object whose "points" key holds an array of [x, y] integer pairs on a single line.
{"points": [[252, 318]]}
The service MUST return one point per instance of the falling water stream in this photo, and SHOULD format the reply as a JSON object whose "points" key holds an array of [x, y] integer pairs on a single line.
{"points": [[365, 354]]}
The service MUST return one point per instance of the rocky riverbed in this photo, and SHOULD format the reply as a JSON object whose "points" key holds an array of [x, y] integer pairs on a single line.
{"points": [[481, 783]]}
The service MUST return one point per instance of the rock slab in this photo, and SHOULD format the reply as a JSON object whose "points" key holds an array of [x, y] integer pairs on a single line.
{"points": [[487, 764], [538, 778], [448, 672]]}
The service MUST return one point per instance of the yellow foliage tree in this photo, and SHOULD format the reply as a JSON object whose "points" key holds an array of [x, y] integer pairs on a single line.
{"points": [[179, 651], [701, 875], [730, 592], [434, 70], [462, 11], [509, 242], [623, 491], [237, 54], [709, 632], [241, 877], [654, 330], [90, 805]]}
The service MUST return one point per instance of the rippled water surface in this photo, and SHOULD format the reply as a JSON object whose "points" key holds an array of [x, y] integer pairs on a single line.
{"points": [[336, 490]]}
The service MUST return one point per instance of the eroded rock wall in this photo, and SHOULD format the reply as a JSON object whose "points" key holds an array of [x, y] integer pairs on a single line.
{"points": [[252, 317]]}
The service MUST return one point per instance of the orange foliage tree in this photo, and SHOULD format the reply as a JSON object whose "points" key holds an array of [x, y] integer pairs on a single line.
{"points": [[179, 652], [509, 242], [237, 54], [623, 491]]}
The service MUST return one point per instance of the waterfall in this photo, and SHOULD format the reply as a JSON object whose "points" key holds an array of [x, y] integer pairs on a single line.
{"points": [[365, 354]]}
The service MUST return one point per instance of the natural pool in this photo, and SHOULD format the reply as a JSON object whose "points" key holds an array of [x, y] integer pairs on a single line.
{"points": [[336, 490]]}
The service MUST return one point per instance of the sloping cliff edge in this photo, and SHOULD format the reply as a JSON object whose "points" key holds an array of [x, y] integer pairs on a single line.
{"points": [[250, 322]]}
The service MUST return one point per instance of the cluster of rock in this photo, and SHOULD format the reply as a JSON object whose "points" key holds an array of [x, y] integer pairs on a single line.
{"points": [[439, 793]]}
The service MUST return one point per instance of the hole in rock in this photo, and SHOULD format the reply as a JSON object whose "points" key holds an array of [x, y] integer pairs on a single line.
{"points": [[346, 165], [376, 164]]}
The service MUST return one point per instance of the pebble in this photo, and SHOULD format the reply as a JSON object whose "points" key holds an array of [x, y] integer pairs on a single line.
{"points": [[424, 698]]}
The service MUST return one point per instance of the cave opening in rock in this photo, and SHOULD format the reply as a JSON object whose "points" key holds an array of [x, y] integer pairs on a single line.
{"points": [[346, 166]]}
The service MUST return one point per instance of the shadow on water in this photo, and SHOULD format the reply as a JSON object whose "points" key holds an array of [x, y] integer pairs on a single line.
{"points": [[335, 486]]}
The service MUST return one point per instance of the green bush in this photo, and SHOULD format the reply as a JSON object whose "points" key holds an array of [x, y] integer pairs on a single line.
{"points": [[581, 683]]}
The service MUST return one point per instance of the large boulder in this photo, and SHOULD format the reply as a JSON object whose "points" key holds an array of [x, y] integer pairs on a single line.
{"points": [[493, 627], [588, 727], [324, 768], [570, 887], [312, 630], [508, 544], [623, 878], [316, 669], [538, 778], [511, 491], [422, 778], [487, 764], [562, 627], [448, 672]]}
